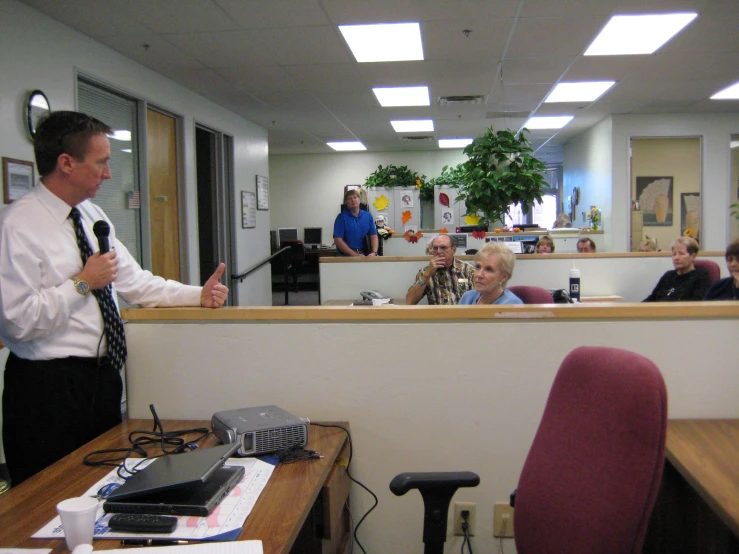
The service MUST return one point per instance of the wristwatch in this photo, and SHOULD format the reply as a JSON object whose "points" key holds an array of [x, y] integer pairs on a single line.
{"points": [[81, 286], [421, 282]]}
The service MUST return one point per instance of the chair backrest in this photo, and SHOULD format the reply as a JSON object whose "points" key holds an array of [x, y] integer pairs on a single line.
{"points": [[710, 267], [297, 250], [532, 295], [592, 475]]}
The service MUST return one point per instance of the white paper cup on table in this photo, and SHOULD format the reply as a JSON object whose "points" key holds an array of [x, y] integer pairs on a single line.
{"points": [[78, 519]]}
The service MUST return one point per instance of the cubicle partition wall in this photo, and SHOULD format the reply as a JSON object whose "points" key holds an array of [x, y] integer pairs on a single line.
{"points": [[424, 388]]}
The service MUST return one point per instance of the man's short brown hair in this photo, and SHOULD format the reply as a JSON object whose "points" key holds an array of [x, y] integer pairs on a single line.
{"points": [[352, 192]]}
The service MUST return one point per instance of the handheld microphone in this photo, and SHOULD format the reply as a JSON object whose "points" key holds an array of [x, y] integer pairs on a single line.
{"points": [[102, 232]]}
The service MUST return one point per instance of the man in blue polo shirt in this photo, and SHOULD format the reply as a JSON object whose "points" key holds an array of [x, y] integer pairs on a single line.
{"points": [[352, 225]]}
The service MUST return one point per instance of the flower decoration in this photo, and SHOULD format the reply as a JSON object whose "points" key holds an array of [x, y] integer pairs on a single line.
{"points": [[406, 217], [594, 218], [689, 233], [479, 234], [381, 203], [413, 236], [418, 182], [472, 219], [443, 231]]}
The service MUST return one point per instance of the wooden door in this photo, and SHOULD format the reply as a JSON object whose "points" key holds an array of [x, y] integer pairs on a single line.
{"points": [[161, 137]]}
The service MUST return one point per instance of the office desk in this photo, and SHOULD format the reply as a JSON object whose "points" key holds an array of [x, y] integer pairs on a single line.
{"points": [[300, 502], [698, 506]]}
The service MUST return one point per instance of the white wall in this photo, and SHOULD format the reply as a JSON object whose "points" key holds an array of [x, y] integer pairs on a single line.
{"points": [[587, 165], [715, 131], [307, 190], [36, 52], [471, 401]]}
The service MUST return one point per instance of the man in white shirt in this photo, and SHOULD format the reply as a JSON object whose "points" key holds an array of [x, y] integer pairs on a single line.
{"points": [[62, 383]]}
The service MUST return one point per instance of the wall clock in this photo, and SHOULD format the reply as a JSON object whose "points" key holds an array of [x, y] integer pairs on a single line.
{"points": [[36, 107]]}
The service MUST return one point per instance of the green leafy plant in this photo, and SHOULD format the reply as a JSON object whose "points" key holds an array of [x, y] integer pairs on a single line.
{"points": [[500, 171], [449, 176], [735, 210], [393, 176]]}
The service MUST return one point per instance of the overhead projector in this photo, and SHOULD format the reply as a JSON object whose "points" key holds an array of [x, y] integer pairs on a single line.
{"points": [[259, 430]]}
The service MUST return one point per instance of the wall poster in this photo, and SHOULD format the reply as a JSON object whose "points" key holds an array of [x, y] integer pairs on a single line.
{"points": [[262, 193], [248, 210], [654, 195], [690, 214]]}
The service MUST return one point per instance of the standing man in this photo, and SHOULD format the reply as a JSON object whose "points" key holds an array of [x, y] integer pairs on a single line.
{"points": [[352, 226], [585, 246], [58, 313], [445, 279]]}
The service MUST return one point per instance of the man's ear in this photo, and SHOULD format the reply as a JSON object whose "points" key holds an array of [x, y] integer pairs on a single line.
{"points": [[65, 162]]}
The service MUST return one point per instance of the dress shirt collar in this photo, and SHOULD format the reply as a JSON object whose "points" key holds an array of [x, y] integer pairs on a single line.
{"points": [[58, 208]]}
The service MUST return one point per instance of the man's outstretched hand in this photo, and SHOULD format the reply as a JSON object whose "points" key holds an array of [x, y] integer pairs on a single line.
{"points": [[214, 293]]}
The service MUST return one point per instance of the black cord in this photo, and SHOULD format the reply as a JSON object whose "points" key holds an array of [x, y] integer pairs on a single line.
{"points": [[351, 452], [466, 540], [295, 453]]}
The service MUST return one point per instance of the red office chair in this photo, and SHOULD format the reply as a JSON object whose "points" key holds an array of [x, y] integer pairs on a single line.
{"points": [[592, 474], [710, 267], [532, 295]]}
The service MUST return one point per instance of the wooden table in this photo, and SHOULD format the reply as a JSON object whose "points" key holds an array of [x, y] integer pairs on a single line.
{"points": [[698, 506], [297, 498]]}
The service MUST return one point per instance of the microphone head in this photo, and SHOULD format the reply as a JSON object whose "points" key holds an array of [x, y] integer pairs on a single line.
{"points": [[101, 229]]}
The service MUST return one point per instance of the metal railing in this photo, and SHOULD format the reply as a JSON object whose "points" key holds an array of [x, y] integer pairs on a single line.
{"points": [[281, 252]]}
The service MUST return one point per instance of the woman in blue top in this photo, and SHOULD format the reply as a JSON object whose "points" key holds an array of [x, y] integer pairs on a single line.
{"points": [[494, 264]]}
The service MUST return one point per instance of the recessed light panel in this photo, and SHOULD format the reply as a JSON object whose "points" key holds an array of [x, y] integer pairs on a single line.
{"points": [[455, 143], [386, 42], [413, 125], [347, 146], [729, 93], [548, 122], [579, 92], [402, 96], [122, 135], [637, 34]]}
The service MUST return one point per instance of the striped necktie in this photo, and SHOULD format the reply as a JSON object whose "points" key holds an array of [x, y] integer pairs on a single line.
{"points": [[111, 318]]}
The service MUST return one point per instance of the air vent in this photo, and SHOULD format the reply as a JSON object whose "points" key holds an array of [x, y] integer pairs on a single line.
{"points": [[418, 139], [504, 115], [457, 100]]}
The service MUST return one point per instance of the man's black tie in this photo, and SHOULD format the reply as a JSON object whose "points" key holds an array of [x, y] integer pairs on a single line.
{"points": [[111, 318]]}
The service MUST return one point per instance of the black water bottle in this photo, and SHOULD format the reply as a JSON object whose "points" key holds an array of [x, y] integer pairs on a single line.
{"points": [[575, 284]]}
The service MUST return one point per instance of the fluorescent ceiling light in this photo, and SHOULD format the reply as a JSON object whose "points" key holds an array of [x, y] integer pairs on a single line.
{"points": [[637, 34], [386, 42], [734, 144], [347, 145], [127, 150], [454, 143], [402, 96], [121, 135], [549, 122], [729, 93], [413, 125], [579, 92]]}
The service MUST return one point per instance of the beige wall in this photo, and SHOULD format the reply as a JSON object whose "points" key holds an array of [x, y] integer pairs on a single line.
{"points": [[734, 188], [679, 158]]}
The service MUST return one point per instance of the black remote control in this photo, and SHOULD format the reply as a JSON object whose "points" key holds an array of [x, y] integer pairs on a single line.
{"points": [[142, 523]]}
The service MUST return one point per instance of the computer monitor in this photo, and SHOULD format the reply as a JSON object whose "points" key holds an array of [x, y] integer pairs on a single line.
{"points": [[287, 233], [312, 235]]}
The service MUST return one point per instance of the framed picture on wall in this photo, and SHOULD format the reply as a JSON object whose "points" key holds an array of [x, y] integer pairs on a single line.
{"points": [[690, 214], [17, 178], [248, 210], [262, 192], [654, 195]]}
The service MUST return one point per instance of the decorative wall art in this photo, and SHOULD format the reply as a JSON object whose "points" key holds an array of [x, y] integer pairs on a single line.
{"points": [[690, 214], [17, 178], [654, 195]]}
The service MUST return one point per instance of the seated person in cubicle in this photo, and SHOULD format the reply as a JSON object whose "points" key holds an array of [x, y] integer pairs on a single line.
{"points": [[545, 245], [648, 245], [727, 288], [494, 265], [684, 283], [445, 279], [352, 226], [563, 220], [585, 246]]}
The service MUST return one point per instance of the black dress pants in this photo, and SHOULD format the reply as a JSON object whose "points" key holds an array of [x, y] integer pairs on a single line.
{"points": [[52, 407]]}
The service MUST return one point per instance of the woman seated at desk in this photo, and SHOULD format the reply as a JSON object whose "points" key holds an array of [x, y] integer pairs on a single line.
{"points": [[727, 288], [494, 264], [685, 282], [545, 245]]}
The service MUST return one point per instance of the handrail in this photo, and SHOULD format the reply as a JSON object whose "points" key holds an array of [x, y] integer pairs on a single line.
{"points": [[252, 269]]}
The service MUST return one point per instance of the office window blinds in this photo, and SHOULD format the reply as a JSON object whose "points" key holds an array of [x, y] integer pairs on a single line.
{"points": [[119, 196]]}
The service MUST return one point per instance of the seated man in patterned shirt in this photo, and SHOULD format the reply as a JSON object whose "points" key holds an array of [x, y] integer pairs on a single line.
{"points": [[445, 279]]}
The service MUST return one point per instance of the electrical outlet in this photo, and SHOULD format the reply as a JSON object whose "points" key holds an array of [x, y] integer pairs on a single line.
{"points": [[459, 507], [503, 520]]}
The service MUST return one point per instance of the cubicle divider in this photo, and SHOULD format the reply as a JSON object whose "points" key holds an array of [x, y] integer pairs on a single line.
{"points": [[424, 388], [630, 276]]}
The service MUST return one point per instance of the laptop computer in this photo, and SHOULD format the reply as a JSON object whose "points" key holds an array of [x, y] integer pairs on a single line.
{"points": [[192, 483]]}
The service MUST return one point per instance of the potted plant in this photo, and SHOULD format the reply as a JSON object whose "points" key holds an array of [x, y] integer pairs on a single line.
{"points": [[394, 176], [500, 171]]}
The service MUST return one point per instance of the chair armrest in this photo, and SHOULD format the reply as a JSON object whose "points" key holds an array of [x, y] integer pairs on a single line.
{"points": [[404, 482]]}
